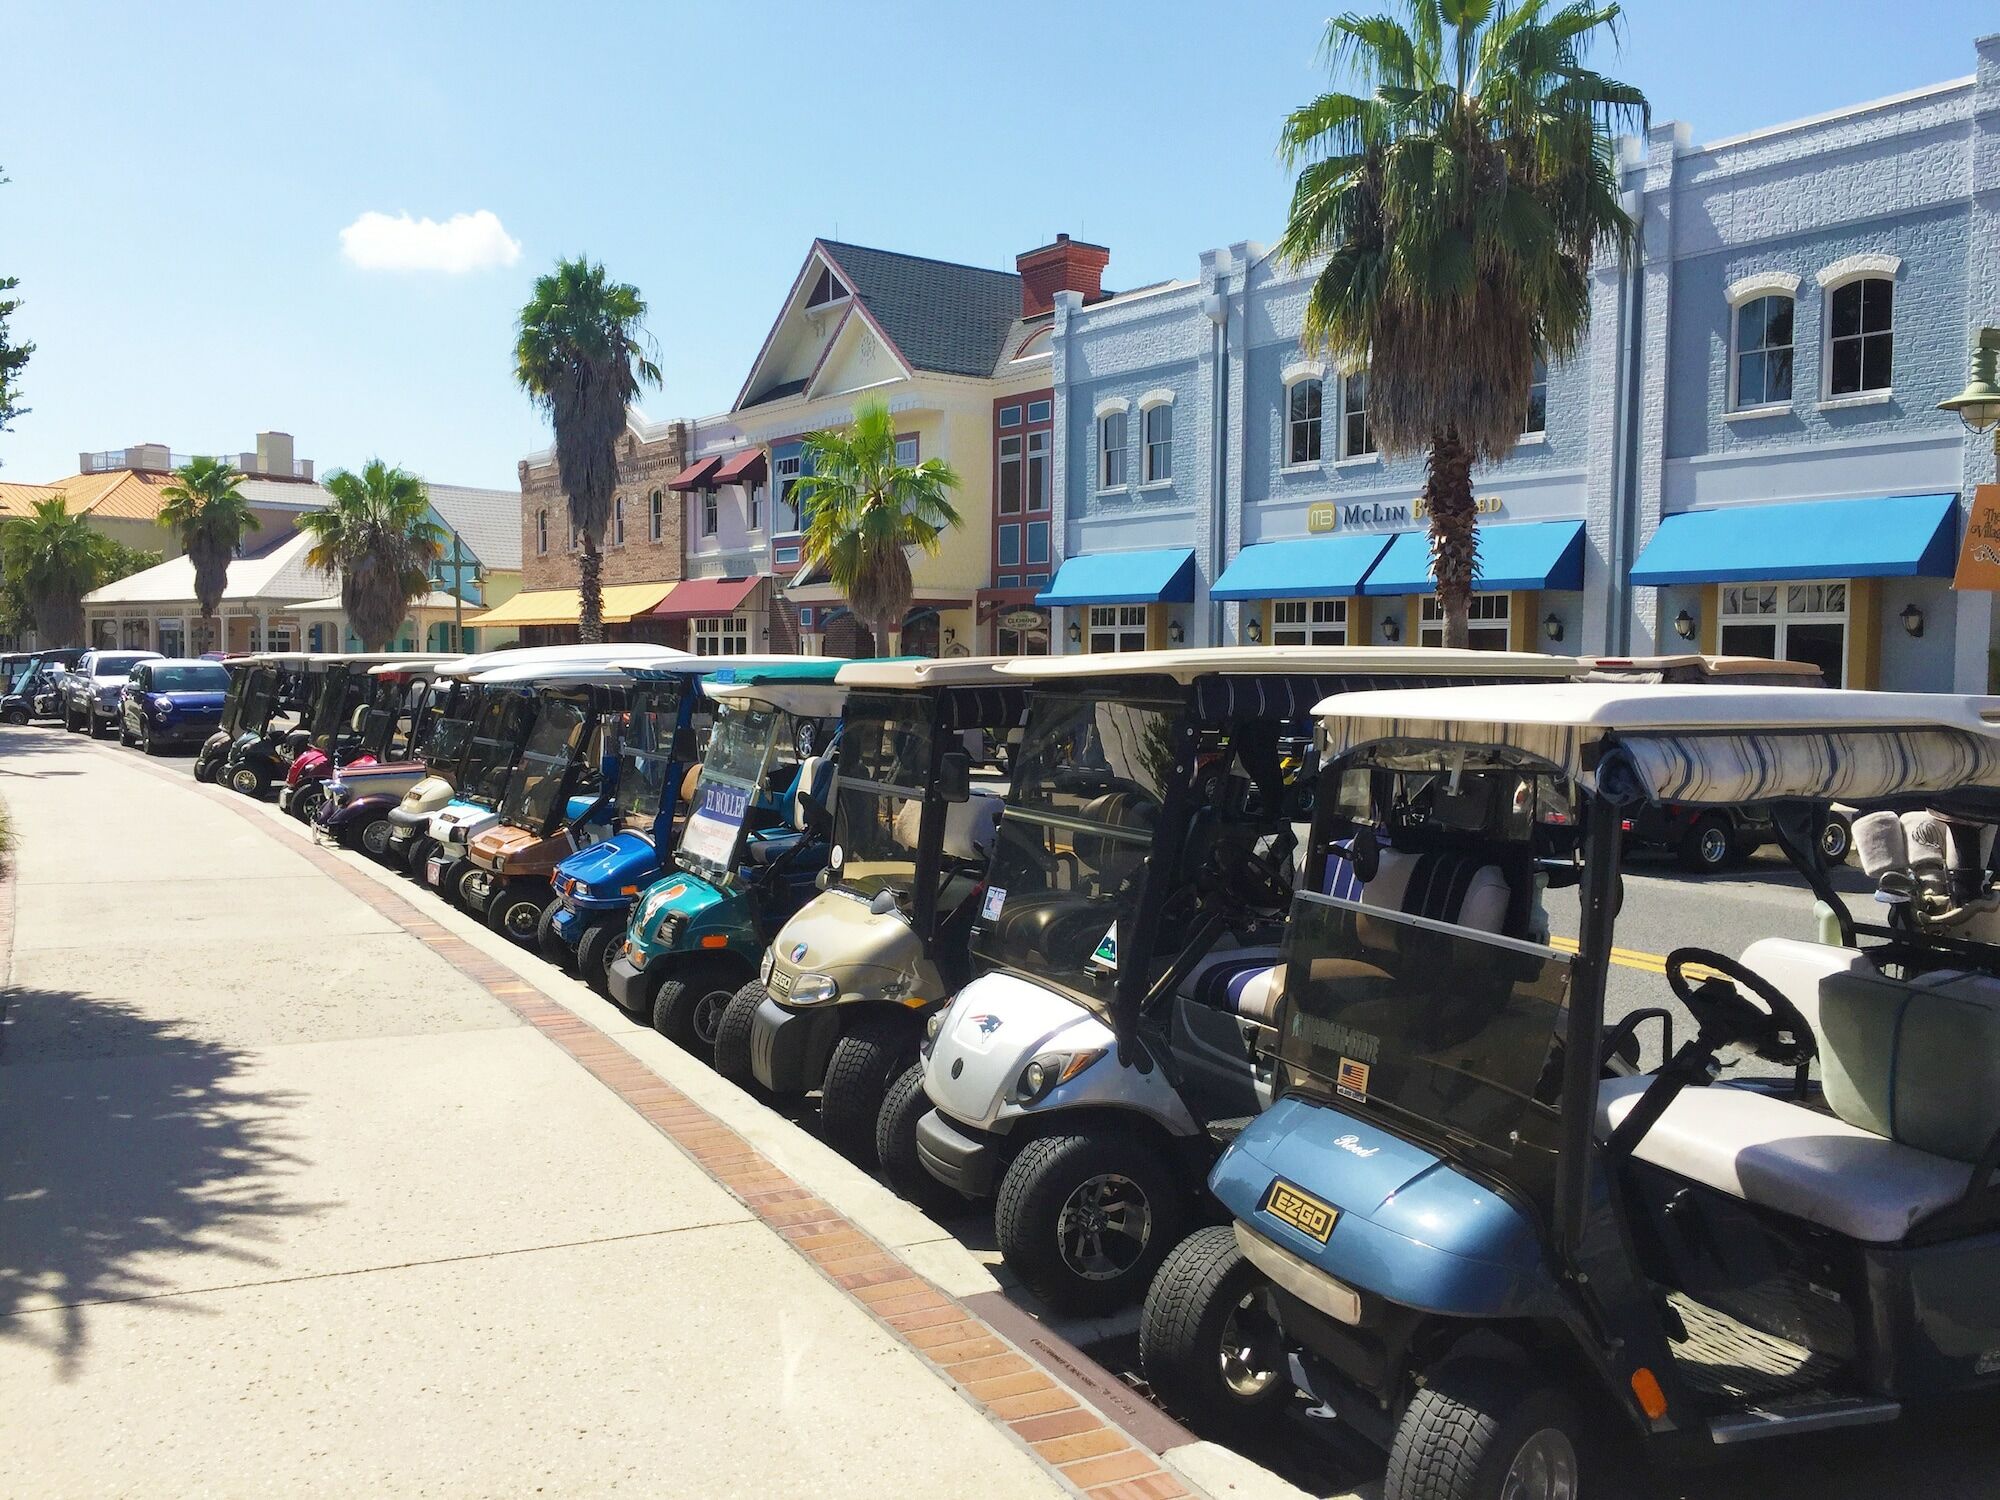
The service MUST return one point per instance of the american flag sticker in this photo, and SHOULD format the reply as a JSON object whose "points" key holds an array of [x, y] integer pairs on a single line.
{"points": [[1352, 1079]]}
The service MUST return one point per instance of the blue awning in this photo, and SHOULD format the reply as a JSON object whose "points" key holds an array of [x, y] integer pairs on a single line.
{"points": [[1319, 567], [1895, 536], [1512, 555], [1164, 575]]}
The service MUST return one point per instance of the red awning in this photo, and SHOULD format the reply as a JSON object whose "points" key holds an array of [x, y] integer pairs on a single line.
{"points": [[694, 597], [746, 467], [699, 475]]}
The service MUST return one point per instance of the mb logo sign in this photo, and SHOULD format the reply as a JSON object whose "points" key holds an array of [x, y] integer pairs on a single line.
{"points": [[1367, 514]]}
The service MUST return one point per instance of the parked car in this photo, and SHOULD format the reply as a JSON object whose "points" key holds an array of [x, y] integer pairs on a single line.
{"points": [[171, 701], [92, 693], [34, 692]]}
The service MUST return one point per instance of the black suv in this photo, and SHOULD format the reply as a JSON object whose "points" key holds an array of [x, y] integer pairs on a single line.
{"points": [[92, 691]]}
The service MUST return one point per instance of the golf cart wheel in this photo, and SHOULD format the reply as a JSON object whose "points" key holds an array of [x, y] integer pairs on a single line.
{"points": [[1085, 1220], [875, 1050], [1836, 839], [206, 770], [249, 780], [1708, 846], [459, 879], [416, 855], [1482, 1430], [307, 802], [549, 942], [732, 1032], [1209, 1342], [15, 716], [516, 911], [600, 944], [690, 1003], [896, 1145], [372, 839]]}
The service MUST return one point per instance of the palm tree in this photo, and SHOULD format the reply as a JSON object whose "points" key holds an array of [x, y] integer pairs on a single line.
{"points": [[579, 355], [864, 511], [378, 536], [1458, 197], [54, 559], [205, 507]]}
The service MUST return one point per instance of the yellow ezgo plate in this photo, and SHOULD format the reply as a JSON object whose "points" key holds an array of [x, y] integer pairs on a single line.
{"points": [[1301, 1210]]}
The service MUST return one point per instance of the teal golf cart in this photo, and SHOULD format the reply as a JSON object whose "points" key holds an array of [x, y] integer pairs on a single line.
{"points": [[749, 853]]}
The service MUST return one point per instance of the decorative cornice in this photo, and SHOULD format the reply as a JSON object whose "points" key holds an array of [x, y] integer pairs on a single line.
{"points": [[1855, 266], [1762, 284]]}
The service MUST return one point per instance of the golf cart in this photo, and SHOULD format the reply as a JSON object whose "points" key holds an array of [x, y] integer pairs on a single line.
{"points": [[848, 983], [747, 856], [33, 689], [355, 812], [595, 887], [336, 724], [268, 717], [1124, 942], [1472, 1228], [559, 798]]}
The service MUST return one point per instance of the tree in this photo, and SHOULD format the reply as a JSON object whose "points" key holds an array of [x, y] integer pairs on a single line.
{"points": [[50, 560], [378, 536], [13, 356], [1458, 197], [207, 510], [864, 511], [579, 354]]}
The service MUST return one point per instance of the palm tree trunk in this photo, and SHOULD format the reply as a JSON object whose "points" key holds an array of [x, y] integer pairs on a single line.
{"points": [[1454, 532], [590, 585]]}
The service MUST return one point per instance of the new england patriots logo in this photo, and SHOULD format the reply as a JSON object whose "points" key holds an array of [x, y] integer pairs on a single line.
{"points": [[987, 1024]]}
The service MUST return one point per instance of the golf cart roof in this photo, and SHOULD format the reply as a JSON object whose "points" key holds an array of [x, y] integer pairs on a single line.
{"points": [[419, 664], [1700, 745], [806, 687], [531, 675], [1694, 667], [929, 672], [1187, 664], [554, 657], [656, 668]]}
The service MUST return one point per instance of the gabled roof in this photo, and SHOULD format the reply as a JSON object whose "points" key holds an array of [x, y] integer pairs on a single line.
{"points": [[1020, 333], [489, 520], [277, 575], [20, 499], [116, 494]]}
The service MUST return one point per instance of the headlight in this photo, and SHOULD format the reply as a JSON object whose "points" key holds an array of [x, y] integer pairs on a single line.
{"points": [[764, 969], [1051, 1069], [933, 1026], [814, 989], [163, 711], [499, 864]]}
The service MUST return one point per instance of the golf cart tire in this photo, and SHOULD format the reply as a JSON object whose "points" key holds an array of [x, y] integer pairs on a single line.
{"points": [[548, 942], [416, 855], [1836, 839], [1464, 1429], [249, 781], [15, 716], [457, 877], [896, 1145], [307, 802], [1708, 846], [371, 838], [871, 1054], [1040, 1182], [600, 943], [732, 1032], [1181, 1337], [506, 910]]}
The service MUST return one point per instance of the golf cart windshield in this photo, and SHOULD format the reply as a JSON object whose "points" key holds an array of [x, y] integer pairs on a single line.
{"points": [[885, 761], [646, 753], [452, 708], [1075, 837], [740, 755], [338, 695], [390, 716], [495, 737], [259, 698], [542, 772]]}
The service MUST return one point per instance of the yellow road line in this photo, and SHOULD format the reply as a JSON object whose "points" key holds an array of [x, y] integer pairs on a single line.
{"points": [[1633, 958]]}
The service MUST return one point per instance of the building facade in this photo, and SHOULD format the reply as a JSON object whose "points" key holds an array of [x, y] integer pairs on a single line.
{"points": [[1746, 455]]}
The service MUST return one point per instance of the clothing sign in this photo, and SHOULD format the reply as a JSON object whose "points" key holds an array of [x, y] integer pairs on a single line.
{"points": [[1979, 552], [716, 821]]}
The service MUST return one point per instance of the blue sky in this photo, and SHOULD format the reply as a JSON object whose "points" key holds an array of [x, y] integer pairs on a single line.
{"points": [[182, 174]]}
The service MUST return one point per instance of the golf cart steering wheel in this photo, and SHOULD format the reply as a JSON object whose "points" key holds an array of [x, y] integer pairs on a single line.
{"points": [[1775, 1031], [1254, 881]]}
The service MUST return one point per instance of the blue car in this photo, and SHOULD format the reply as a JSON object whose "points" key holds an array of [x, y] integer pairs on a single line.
{"points": [[171, 701]]}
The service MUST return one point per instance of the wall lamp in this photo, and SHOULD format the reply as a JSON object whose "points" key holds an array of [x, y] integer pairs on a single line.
{"points": [[1552, 627], [1391, 631], [1175, 635], [1684, 625], [1913, 619], [950, 635], [1075, 633], [1255, 631]]}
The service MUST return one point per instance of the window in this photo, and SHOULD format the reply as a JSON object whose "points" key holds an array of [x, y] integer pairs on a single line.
{"points": [[1538, 398], [656, 520], [785, 474], [1302, 404], [1038, 470], [1860, 314], [906, 449], [575, 536], [1357, 438], [542, 532], [1008, 581], [784, 555], [1309, 622], [1763, 352], [1159, 431], [753, 505], [722, 635], [132, 634], [1117, 627], [1786, 622], [1038, 541], [826, 290], [1041, 411], [1010, 476], [1010, 416], [278, 638], [618, 521], [1486, 622], [1111, 451], [173, 638], [1008, 546], [711, 516]]}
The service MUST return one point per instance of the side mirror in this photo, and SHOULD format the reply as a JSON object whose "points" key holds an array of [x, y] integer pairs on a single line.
{"points": [[822, 880], [955, 776], [687, 746]]}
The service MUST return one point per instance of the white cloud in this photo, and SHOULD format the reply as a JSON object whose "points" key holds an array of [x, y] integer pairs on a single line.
{"points": [[464, 242]]}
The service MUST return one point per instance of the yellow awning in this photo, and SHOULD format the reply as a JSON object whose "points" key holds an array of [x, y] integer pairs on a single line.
{"points": [[622, 601]]}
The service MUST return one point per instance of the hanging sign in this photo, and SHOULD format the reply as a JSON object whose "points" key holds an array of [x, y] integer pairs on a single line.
{"points": [[1024, 619], [1979, 551]]}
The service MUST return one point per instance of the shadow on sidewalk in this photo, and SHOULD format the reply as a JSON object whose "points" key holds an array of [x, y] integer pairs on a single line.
{"points": [[129, 1176]]}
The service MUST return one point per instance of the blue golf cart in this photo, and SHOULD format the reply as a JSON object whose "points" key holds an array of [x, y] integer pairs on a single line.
{"points": [[1478, 1230]]}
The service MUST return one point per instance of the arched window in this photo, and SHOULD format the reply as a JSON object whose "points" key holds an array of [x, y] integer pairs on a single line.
{"points": [[1302, 422], [1860, 336], [1763, 370]]}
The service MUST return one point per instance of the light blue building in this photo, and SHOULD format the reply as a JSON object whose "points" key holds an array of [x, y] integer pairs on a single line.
{"points": [[1746, 457]]}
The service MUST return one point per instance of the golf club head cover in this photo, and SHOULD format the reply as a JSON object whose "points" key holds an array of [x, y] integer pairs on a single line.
{"points": [[1880, 844]]}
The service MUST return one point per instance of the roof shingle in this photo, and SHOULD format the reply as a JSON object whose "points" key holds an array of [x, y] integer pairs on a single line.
{"points": [[944, 317]]}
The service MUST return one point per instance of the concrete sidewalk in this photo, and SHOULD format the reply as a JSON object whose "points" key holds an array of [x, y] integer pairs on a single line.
{"points": [[294, 1204]]}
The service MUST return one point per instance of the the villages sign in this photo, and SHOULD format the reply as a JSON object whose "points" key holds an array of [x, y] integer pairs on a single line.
{"points": [[1366, 515]]}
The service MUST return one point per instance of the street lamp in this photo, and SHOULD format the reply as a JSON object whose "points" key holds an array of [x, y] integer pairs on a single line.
{"points": [[458, 564], [1978, 405]]}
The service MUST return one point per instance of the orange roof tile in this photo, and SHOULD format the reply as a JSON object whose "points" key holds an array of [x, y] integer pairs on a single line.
{"points": [[19, 499], [118, 494]]}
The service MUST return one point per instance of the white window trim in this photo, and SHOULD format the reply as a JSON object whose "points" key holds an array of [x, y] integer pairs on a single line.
{"points": [[1109, 405], [1359, 461], [1125, 485], [1856, 267], [1304, 369], [1762, 284], [1532, 439], [1762, 408], [1160, 397], [1344, 459], [1326, 460], [1859, 398], [1147, 405], [1753, 413], [1783, 618]]}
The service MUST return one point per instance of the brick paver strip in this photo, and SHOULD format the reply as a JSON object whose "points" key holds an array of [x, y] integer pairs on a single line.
{"points": [[987, 1358]]}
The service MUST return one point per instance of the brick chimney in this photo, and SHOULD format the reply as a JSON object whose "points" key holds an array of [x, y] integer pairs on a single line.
{"points": [[1066, 266]]}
